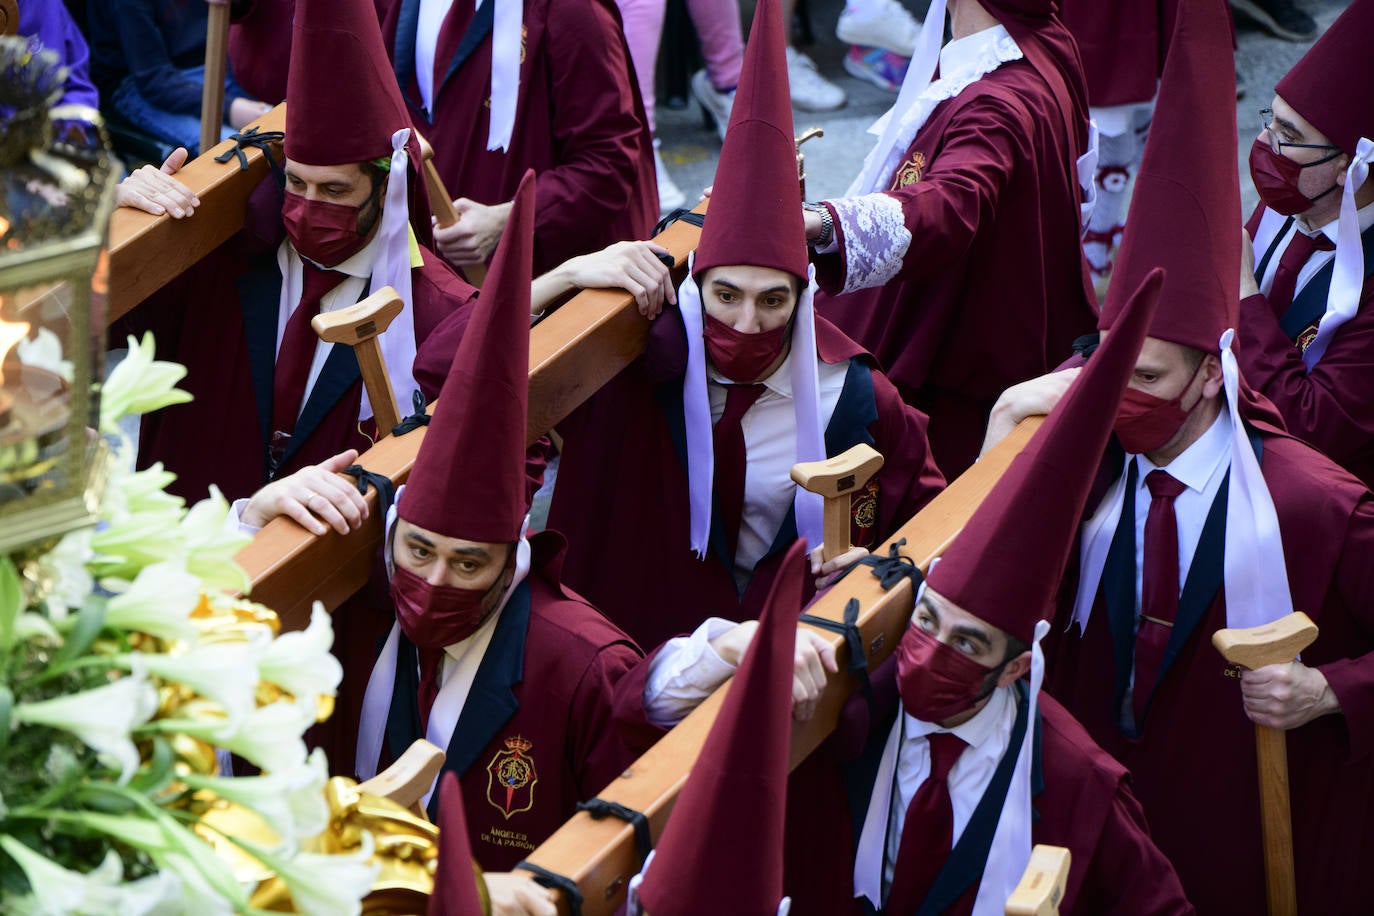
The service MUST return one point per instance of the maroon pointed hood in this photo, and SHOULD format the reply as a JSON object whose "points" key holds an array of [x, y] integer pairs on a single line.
{"points": [[468, 480], [1005, 565], [1332, 86], [455, 883], [722, 849], [755, 216], [1186, 203], [343, 103]]}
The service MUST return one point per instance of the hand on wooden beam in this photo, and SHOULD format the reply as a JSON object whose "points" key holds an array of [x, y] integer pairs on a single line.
{"points": [[154, 190], [516, 894], [1033, 398], [317, 498], [635, 267], [814, 657], [473, 238], [828, 572]]}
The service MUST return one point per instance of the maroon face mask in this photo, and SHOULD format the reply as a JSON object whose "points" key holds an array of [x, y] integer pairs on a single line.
{"points": [[1145, 422], [323, 231], [937, 681], [741, 356], [435, 616], [1276, 180]]}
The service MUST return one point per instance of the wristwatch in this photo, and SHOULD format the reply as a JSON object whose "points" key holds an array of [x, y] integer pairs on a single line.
{"points": [[827, 224]]}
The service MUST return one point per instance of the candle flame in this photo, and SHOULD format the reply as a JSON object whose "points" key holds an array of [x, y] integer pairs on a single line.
{"points": [[11, 332]]}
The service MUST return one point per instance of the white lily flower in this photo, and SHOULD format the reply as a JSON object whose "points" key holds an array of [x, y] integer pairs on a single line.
{"points": [[322, 885], [125, 547], [159, 601], [300, 663], [269, 736], [65, 567], [211, 546], [140, 384], [291, 801], [102, 718], [30, 626], [197, 895], [224, 672], [103, 890]]}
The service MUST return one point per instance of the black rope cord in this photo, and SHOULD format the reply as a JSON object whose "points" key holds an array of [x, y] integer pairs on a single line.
{"points": [[386, 489], [554, 881], [417, 419], [256, 139], [600, 809]]}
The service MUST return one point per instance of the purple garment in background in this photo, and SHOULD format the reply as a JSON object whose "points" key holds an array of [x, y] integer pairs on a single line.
{"points": [[53, 27]]}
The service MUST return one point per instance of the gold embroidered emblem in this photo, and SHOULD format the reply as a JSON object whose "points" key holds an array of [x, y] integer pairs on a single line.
{"points": [[1307, 336], [511, 778], [910, 171], [863, 514]]}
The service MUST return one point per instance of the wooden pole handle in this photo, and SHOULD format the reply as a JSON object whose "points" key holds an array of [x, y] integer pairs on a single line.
{"points": [[212, 87], [408, 779], [441, 205], [1042, 885], [835, 480], [359, 326], [1255, 647]]}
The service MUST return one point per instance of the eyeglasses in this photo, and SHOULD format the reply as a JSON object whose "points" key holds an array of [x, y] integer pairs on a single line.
{"points": [[1267, 119]]}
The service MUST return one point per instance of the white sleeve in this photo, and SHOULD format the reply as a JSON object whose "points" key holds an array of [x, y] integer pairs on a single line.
{"points": [[684, 673], [233, 522]]}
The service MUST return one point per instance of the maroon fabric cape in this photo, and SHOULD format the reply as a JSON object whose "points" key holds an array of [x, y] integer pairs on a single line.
{"points": [[622, 499], [1123, 44], [580, 125], [1086, 805], [993, 290], [557, 695], [260, 48], [1194, 767], [1332, 407], [198, 321]]}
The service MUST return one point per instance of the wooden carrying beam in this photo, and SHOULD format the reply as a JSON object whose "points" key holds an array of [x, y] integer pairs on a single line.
{"points": [[573, 352], [147, 252], [600, 855]]}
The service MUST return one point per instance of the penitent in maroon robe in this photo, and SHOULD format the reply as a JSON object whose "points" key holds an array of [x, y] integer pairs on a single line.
{"points": [[1081, 798], [621, 495], [1123, 45], [579, 123], [535, 736], [992, 288], [1332, 406], [1193, 767], [260, 48], [219, 320]]}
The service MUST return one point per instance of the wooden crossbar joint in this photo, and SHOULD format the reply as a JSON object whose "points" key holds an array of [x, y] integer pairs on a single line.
{"points": [[834, 480], [1041, 888], [359, 326]]}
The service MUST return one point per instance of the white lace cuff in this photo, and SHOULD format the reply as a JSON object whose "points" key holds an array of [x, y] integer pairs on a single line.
{"points": [[875, 238]]}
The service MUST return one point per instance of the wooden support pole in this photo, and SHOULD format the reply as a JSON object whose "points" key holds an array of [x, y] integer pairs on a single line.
{"points": [[360, 326], [1255, 647], [441, 205], [1041, 888], [216, 67], [408, 779], [835, 480], [600, 856]]}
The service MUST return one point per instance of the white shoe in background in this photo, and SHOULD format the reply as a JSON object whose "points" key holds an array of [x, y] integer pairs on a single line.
{"points": [[882, 24], [716, 104], [670, 196]]}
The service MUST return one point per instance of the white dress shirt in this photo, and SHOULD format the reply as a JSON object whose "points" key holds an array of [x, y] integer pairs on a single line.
{"points": [[1318, 259], [770, 441], [1200, 468], [357, 271], [431, 22], [987, 735]]}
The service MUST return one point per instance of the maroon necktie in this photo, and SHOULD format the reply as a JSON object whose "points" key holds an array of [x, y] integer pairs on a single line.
{"points": [[927, 830], [1159, 587], [428, 691], [1299, 250], [731, 459], [298, 347]]}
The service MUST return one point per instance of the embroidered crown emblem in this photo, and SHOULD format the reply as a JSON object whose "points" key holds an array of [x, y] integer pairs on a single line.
{"points": [[518, 744]]}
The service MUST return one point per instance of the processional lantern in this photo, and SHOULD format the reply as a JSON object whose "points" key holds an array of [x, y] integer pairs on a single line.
{"points": [[54, 211]]}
